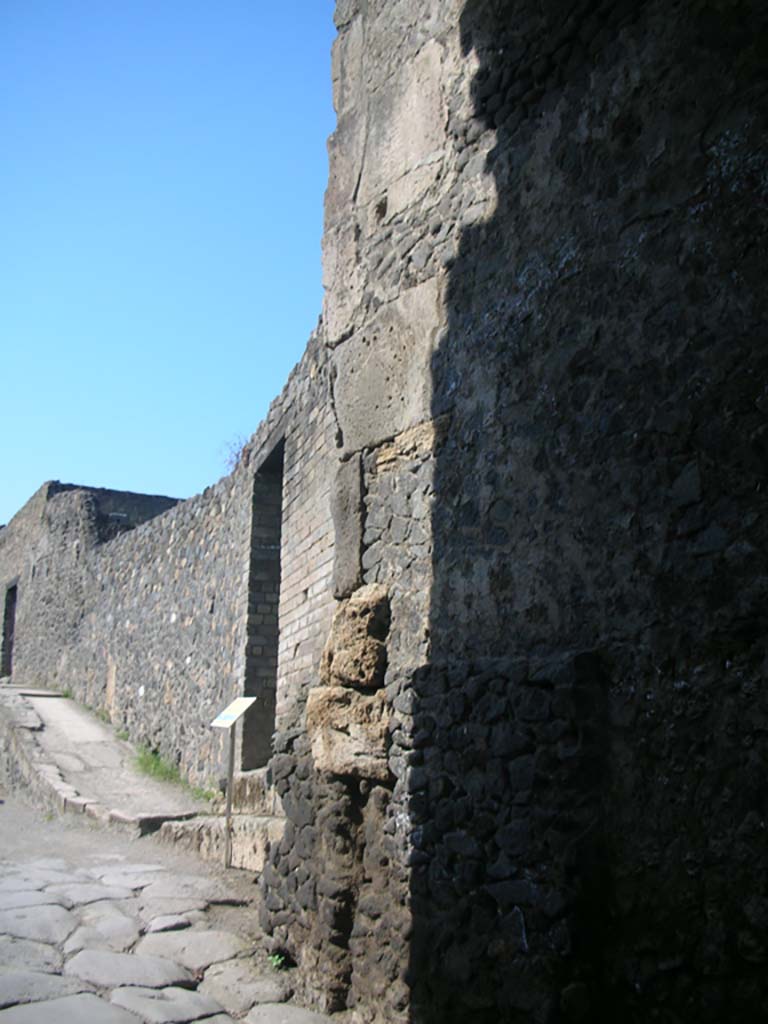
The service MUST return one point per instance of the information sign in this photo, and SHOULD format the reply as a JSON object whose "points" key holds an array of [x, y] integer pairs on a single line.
{"points": [[227, 718]]}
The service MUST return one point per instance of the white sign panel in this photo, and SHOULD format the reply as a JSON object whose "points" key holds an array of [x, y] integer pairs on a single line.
{"points": [[227, 718]]}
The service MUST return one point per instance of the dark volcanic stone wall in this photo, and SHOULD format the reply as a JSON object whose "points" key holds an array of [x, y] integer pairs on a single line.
{"points": [[592, 812], [545, 246]]}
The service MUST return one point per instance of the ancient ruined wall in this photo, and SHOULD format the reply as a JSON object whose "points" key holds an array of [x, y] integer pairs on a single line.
{"points": [[162, 645], [520, 703], [531, 786], [159, 613], [603, 368], [44, 553]]}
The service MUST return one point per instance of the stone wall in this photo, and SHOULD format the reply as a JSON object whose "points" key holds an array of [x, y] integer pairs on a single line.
{"points": [[546, 234], [519, 712], [159, 613], [44, 552]]}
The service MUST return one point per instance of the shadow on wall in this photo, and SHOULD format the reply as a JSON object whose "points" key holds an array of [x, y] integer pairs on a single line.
{"points": [[587, 835]]}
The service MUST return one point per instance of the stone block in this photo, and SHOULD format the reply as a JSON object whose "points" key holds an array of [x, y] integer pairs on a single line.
{"points": [[347, 513], [348, 732], [383, 372], [355, 654]]}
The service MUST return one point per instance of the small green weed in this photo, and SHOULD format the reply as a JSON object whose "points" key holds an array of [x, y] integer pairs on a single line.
{"points": [[67, 693], [279, 961], [151, 763], [122, 734], [200, 793]]}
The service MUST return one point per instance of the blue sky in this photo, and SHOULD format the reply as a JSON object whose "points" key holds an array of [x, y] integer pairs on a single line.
{"points": [[161, 190]]}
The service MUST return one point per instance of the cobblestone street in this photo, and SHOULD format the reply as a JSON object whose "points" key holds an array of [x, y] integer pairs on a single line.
{"points": [[98, 928]]}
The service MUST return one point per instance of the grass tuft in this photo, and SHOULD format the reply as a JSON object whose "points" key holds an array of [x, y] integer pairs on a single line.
{"points": [[200, 793], [151, 763]]}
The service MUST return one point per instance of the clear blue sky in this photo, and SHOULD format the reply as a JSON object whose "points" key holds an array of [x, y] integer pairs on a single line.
{"points": [[161, 185]]}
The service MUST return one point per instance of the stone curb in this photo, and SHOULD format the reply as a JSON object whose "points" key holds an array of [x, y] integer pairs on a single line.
{"points": [[24, 765]]}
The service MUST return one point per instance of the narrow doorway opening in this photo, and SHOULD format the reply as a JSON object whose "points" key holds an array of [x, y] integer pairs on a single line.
{"points": [[263, 605], [9, 626]]}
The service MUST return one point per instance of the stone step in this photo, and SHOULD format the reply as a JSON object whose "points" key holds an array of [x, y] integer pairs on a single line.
{"points": [[205, 836], [251, 794]]}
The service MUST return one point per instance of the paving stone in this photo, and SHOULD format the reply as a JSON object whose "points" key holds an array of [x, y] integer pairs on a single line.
{"points": [[104, 927], [34, 878], [50, 864], [80, 1009], [46, 923], [32, 956], [167, 1005], [81, 893], [130, 878], [119, 929], [31, 986], [119, 865], [159, 907], [184, 886], [19, 883], [32, 898], [168, 923], [238, 987], [279, 1013], [195, 950], [86, 938], [114, 970]]}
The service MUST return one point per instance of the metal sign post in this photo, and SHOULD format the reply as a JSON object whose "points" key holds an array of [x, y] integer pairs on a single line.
{"points": [[228, 719]]}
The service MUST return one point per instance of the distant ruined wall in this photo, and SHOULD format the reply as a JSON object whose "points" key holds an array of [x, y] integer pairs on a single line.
{"points": [[44, 553], [531, 784], [164, 624]]}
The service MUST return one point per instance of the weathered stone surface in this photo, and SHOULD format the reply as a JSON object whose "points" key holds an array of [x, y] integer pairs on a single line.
{"points": [[18, 954], [48, 923], [355, 654], [253, 793], [347, 514], [158, 906], [238, 987], [26, 986], [104, 927], [34, 898], [195, 950], [35, 878], [113, 970], [81, 893], [166, 1005], [382, 371], [251, 834], [348, 732], [110, 872], [135, 878], [77, 1009], [183, 887], [279, 1013], [168, 923]]}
